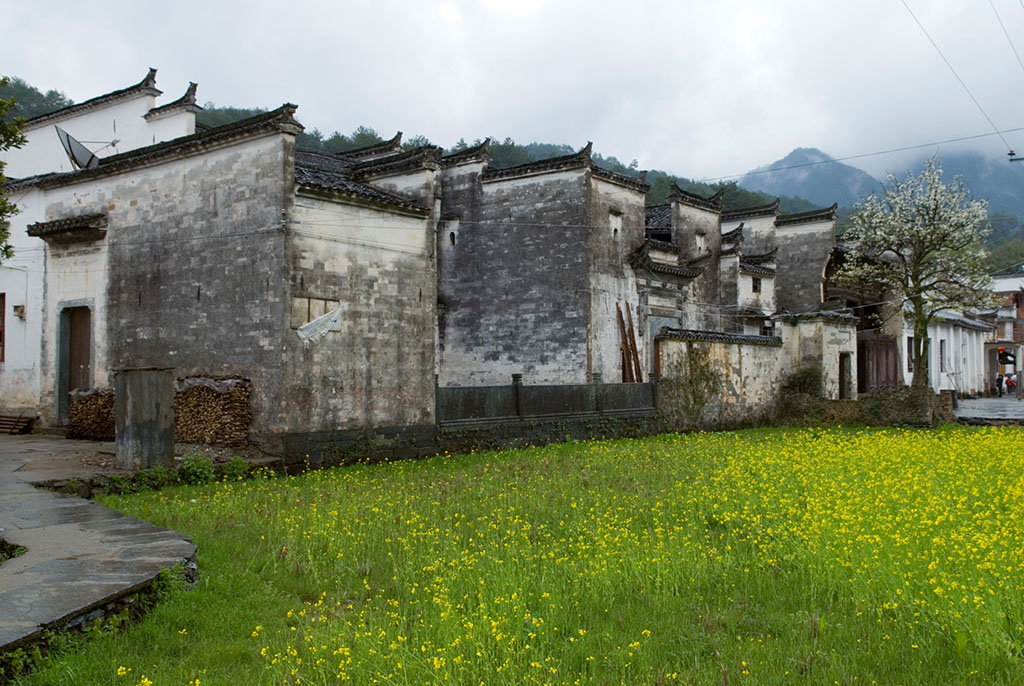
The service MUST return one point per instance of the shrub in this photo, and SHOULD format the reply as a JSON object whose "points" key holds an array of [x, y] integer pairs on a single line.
{"points": [[157, 477], [236, 470], [196, 468], [806, 380], [118, 483]]}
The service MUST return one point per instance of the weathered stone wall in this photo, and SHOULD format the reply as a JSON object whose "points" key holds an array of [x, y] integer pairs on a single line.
{"points": [[615, 219], [378, 265], [513, 287], [196, 266], [728, 293], [821, 341], [718, 380], [695, 225], [758, 232], [804, 250]]}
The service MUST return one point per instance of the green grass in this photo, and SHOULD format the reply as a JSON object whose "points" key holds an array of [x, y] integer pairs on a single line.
{"points": [[847, 556]]}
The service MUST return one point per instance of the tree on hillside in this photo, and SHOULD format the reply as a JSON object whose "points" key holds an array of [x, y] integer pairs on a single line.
{"points": [[29, 101], [922, 241]]}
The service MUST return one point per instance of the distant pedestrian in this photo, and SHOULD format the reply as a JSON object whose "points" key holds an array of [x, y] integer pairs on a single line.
{"points": [[1011, 383], [999, 384]]}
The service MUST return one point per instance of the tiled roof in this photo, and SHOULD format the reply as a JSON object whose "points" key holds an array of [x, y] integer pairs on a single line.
{"points": [[662, 245], [581, 160], [187, 101], [759, 211], [715, 337], [280, 119], [146, 86], [327, 172], [577, 159], [81, 228], [477, 152], [761, 258], [965, 321], [826, 312], [755, 268], [383, 148], [658, 216], [650, 265], [427, 156], [734, 236], [825, 214], [641, 259], [688, 198], [622, 179]]}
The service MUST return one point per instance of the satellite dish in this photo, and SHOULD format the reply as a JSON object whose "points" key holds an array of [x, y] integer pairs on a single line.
{"points": [[80, 156]]}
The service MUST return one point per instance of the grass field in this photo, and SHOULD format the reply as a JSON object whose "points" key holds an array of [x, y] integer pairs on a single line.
{"points": [[844, 556]]}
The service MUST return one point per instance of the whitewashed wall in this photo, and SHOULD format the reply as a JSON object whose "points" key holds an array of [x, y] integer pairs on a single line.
{"points": [[122, 119]]}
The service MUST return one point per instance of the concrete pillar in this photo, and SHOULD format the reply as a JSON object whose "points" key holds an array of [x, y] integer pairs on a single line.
{"points": [[517, 389], [144, 417]]}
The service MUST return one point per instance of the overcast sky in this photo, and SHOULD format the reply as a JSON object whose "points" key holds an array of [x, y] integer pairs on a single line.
{"points": [[700, 89]]}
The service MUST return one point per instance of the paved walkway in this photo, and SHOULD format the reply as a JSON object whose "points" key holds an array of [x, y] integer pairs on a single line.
{"points": [[995, 409], [80, 555]]}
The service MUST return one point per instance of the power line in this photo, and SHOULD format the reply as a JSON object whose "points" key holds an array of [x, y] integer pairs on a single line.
{"points": [[1007, 33], [951, 69], [866, 154]]}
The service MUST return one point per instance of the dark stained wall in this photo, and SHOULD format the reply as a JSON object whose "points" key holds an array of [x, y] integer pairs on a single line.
{"points": [[804, 250], [196, 268], [692, 226], [513, 287]]}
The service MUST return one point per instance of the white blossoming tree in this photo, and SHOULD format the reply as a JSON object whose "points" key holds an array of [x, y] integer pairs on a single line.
{"points": [[922, 242]]}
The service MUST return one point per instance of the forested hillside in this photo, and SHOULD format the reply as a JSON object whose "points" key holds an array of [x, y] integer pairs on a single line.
{"points": [[505, 152]]}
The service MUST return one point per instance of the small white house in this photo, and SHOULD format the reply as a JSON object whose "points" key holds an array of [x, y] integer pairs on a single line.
{"points": [[956, 354], [117, 122]]}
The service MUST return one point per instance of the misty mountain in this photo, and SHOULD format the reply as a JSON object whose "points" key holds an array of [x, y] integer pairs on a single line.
{"points": [[811, 174], [999, 182]]}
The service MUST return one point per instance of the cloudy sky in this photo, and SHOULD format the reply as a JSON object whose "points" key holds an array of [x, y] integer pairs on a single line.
{"points": [[701, 89]]}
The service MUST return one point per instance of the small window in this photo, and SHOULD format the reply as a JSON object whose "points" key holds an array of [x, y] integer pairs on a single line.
{"points": [[615, 222], [451, 237], [756, 284], [701, 243]]}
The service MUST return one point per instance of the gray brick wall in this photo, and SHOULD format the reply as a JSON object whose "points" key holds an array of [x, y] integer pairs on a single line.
{"points": [[513, 287], [196, 269]]}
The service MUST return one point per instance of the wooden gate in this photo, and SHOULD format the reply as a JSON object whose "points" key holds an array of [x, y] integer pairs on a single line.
{"points": [[878, 362]]}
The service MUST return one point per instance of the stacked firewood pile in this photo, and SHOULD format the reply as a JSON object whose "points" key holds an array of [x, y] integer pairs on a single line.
{"points": [[91, 414], [211, 410]]}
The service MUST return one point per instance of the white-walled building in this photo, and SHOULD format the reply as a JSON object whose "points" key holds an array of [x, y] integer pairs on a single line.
{"points": [[956, 354], [117, 122]]}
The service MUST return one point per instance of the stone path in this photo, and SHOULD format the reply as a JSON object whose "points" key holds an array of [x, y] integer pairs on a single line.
{"points": [[1005, 409], [81, 557]]}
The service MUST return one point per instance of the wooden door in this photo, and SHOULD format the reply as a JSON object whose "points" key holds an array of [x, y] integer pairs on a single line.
{"points": [[79, 345]]}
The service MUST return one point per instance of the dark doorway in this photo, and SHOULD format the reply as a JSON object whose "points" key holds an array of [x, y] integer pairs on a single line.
{"points": [[845, 376], [74, 364]]}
